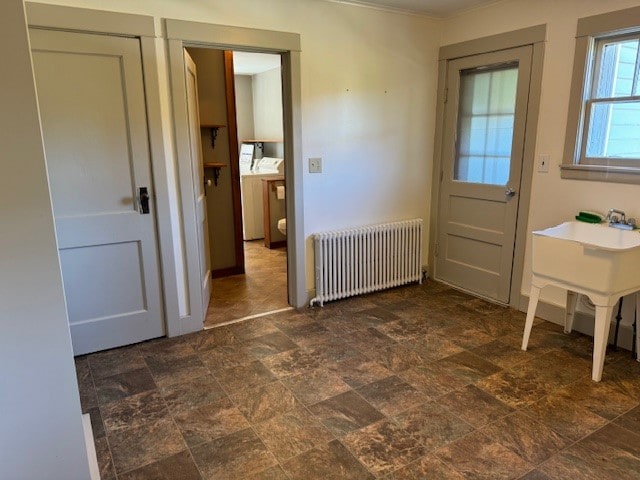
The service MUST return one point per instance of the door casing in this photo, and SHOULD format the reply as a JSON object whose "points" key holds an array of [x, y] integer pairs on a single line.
{"points": [[534, 36]]}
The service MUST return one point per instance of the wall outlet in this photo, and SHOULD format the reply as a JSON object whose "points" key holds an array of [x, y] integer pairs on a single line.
{"points": [[543, 162], [315, 165]]}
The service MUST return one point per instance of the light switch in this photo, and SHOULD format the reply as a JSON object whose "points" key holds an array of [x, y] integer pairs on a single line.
{"points": [[543, 162], [315, 165]]}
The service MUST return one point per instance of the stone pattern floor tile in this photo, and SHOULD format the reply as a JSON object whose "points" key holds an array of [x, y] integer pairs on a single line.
{"points": [[410, 383]]}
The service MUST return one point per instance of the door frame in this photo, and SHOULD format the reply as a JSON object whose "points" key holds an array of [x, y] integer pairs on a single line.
{"points": [[142, 27], [534, 36], [181, 34]]}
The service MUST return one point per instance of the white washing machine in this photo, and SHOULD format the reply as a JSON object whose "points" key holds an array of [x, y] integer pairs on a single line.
{"points": [[251, 192]]}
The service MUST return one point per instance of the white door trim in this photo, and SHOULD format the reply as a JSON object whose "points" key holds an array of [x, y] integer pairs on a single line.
{"points": [[183, 34], [536, 37], [84, 20]]}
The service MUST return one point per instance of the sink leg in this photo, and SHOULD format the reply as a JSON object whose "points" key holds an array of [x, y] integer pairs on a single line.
{"points": [[600, 339], [534, 295], [572, 298]]}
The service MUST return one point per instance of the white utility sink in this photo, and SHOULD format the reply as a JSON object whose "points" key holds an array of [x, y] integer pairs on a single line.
{"points": [[593, 259]]}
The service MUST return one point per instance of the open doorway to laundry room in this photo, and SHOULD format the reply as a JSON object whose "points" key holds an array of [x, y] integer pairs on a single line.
{"points": [[241, 127]]}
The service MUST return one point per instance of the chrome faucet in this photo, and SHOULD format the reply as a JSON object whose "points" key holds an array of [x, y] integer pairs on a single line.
{"points": [[621, 221]]}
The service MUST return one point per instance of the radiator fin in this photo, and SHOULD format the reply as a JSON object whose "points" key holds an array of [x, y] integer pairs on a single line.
{"points": [[361, 260]]}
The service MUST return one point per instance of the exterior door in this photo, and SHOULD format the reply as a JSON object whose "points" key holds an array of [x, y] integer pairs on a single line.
{"points": [[484, 129], [197, 167], [91, 96]]}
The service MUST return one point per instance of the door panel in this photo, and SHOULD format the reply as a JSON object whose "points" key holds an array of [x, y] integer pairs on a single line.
{"points": [[485, 119], [191, 77], [91, 97]]}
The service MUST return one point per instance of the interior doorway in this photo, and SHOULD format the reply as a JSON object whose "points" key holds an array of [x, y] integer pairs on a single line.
{"points": [[242, 154]]}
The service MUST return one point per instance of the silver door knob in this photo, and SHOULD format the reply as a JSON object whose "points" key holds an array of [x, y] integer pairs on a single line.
{"points": [[510, 192]]}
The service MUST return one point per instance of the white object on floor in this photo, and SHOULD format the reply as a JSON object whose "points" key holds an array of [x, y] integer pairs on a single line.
{"points": [[94, 470], [595, 260], [282, 225]]}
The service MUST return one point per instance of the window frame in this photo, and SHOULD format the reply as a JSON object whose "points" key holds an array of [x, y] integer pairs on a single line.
{"points": [[575, 165]]}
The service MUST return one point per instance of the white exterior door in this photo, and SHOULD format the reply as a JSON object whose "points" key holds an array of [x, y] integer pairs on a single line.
{"points": [[191, 78], [91, 96], [483, 144]]}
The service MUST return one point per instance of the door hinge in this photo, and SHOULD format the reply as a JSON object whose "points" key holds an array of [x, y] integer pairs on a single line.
{"points": [[446, 95], [437, 249]]}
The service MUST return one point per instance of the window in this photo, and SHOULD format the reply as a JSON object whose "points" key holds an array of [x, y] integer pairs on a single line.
{"points": [[603, 127]]}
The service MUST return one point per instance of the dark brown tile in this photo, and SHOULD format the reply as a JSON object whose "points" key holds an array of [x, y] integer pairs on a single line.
{"points": [[392, 395], [176, 467], [368, 339], [503, 353], [270, 344], [168, 370], [234, 379], [428, 467], [315, 385], [360, 370], [403, 329], [433, 347], [384, 447], [630, 420], [371, 317], [261, 403], [465, 335], [175, 347], [123, 385], [619, 445], [235, 456], [214, 337], [603, 398], [273, 473], [432, 425], [531, 440], [396, 358], [332, 350], [468, 367], [219, 358], [105, 464], [514, 388], [97, 425], [303, 332], [191, 393], [138, 446], [210, 421], [478, 457], [557, 368], [535, 475], [331, 461], [292, 362], [254, 328], [474, 406], [134, 411], [292, 433], [88, 397], [432, 379], [112, 362], [562, 415], [345, 412]]}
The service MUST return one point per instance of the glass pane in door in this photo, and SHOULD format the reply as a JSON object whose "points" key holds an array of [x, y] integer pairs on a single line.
{"points": [[485, 125]]}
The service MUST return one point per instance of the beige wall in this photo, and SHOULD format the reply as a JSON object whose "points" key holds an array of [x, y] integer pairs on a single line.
{"points": [[41, 432], [553, 199], [213, 110], [244, 107], [368, 101], [267, 104]]}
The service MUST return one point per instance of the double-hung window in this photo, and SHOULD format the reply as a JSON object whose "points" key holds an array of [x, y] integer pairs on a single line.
{"points": [[603, 127]]}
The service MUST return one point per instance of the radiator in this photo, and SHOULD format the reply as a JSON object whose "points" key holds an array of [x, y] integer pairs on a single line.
{"points": [[361, 260]]}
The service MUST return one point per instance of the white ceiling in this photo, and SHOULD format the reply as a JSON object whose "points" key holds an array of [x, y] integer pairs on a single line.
{"points": [[436, 8], [246, 63]]}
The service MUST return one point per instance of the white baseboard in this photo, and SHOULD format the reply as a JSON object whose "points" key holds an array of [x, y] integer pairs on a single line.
{"points": [[94, 470]]}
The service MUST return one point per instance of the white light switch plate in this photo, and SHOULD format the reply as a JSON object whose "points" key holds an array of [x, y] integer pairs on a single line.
{"points": [[315, 165], [543, 162]]}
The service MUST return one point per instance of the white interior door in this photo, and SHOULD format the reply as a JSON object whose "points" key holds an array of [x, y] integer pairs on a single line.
{"points": [[483, 142], [191, 78], [91, 96]]}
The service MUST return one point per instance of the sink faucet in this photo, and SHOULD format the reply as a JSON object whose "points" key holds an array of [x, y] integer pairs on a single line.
{"points": [[611, 218]]}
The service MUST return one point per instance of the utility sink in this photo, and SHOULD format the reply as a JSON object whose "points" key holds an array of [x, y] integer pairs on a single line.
{"points": [[595, 257], [595, 260]]}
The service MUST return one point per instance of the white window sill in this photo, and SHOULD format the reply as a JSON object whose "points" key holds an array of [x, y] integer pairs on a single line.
{"points": [[600, 173]]}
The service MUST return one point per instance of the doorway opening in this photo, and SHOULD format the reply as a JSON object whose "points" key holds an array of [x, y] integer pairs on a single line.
{"points": [[243, 164]]}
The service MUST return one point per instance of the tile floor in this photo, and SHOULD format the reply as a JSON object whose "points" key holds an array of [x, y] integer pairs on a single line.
{"points": [[419, 382], [262, 289]]}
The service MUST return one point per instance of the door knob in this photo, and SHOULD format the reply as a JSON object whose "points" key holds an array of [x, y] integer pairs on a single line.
{"points": [[510, 192], [143, 200]]}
